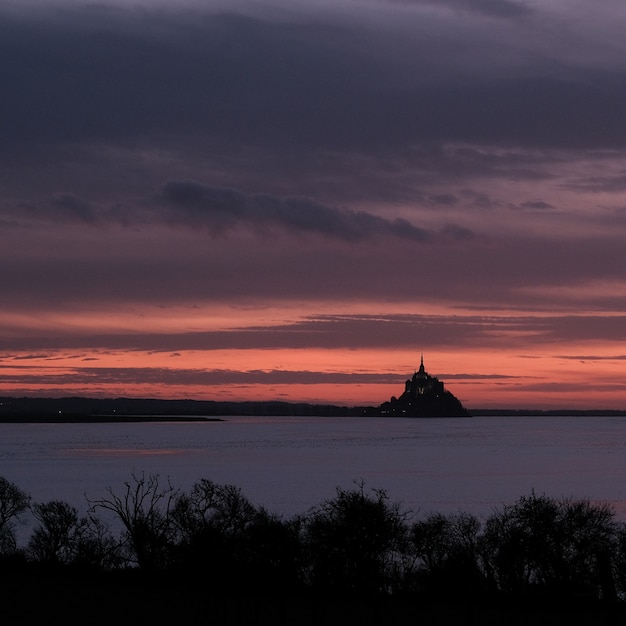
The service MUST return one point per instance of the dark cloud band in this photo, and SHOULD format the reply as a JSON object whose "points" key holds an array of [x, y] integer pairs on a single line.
{"points": [[220, 208]]}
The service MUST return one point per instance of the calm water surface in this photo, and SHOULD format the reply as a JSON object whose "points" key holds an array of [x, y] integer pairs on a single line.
{"points": [[291, 464]]}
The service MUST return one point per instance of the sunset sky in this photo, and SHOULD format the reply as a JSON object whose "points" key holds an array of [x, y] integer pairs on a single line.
{"points": [[294, 199]]}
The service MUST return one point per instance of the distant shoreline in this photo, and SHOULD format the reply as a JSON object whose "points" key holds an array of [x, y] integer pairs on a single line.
{"points": [[548, 412], [98, 410], [55, 418]]}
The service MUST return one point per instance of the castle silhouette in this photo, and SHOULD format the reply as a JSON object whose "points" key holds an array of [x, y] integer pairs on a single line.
{"points": [[424, 396]]}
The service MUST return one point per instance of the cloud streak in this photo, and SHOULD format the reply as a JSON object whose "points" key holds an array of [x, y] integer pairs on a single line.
{"points": [[222, 208]]}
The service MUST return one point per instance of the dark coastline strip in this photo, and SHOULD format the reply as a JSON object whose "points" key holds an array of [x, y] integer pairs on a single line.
{"points": [[73, 418]]}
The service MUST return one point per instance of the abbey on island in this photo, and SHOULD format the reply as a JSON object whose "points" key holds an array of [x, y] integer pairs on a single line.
{"points": [[424, 396]]}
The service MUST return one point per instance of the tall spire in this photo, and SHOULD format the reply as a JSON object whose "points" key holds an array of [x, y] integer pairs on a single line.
{"points": [[421, 370]]}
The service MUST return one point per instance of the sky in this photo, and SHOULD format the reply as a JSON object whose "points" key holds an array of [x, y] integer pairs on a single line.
{"points": [[297, 199]]}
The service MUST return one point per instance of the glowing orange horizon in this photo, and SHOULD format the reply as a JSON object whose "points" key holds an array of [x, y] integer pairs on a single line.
{"points": [[490, 359], [480, 379]]}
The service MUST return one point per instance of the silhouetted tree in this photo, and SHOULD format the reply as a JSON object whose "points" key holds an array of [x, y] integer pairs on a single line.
{"points": [[98, 549], [617, 562], [57, 538], [447, 550], [590, 538], [210, 506], [145, 510], [355, 541], [542, 543], [522, 543], [212, 523], [271, 555], [13, 502]]}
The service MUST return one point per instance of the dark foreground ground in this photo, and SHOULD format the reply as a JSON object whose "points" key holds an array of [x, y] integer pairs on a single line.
{"points": [[30, 598]]}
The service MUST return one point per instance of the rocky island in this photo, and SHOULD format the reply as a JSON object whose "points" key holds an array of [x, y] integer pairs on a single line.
{"points": [[424, 396]]}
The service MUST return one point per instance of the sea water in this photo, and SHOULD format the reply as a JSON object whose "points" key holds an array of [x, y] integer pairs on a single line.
{"points": [[289, 465]]}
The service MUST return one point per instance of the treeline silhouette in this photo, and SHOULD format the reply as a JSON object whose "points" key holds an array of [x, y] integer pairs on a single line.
{"points": [[150, 551], [77, 409]]}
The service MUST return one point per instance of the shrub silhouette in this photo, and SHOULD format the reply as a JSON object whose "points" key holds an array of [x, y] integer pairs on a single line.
{"points": [[354, 542], [210, 506], [13, 502], [448, 554], [242, 544], [272, 555], [211, 523], [540, 543], [64, 538], [145, 510]]}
